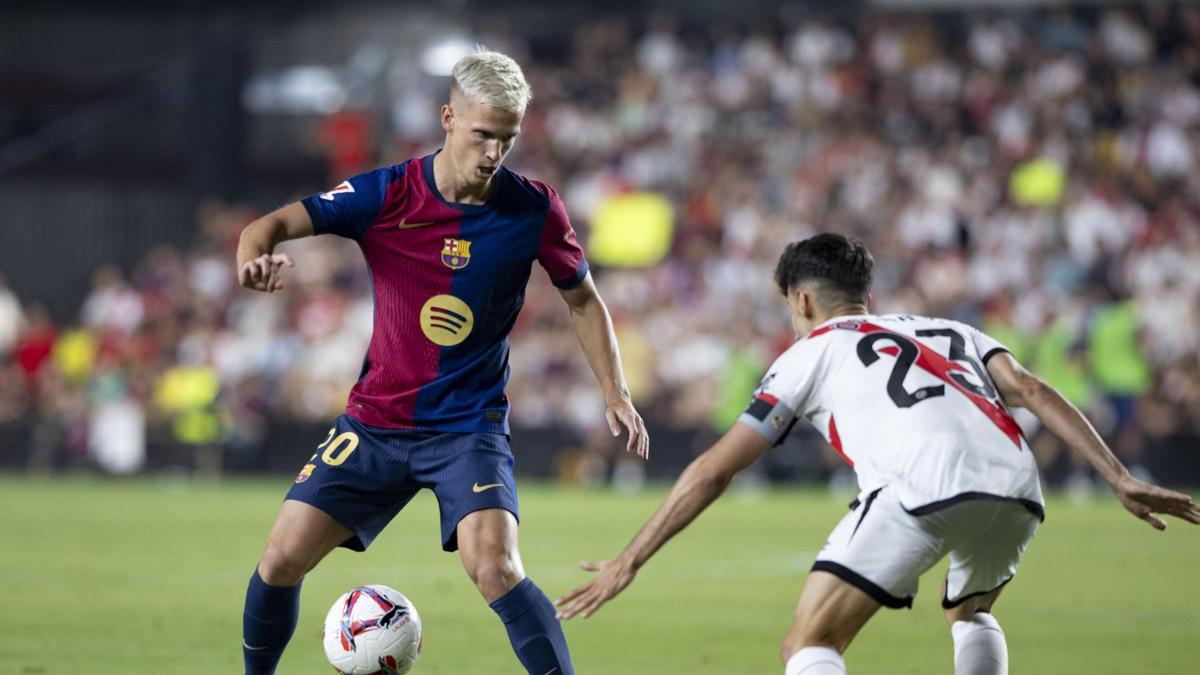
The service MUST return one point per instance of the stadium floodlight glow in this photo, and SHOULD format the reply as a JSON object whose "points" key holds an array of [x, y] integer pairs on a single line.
{"points": [[299, 90], [439, 57]]}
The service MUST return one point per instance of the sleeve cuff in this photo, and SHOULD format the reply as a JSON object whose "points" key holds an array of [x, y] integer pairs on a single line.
{"points": [[757, 425], [314, 213], [994, 352], [770, 417], [575, 279]]}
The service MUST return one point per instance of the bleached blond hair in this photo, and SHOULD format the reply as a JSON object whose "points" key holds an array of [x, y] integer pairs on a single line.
{"points": [[493, 79]]}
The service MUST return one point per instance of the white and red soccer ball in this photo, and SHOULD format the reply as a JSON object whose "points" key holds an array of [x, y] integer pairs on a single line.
{"points": [[372, 630]]}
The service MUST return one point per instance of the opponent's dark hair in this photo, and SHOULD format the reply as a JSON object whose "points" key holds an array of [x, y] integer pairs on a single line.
{"points": [[840, 265]]}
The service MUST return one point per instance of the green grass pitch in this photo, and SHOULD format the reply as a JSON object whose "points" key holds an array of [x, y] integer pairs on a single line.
{"points": [[148, 576]]}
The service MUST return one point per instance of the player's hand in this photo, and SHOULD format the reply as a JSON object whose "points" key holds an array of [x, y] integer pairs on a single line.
{"points": [[1144, 500], [264, 273], [614, 576], [622, 412]]}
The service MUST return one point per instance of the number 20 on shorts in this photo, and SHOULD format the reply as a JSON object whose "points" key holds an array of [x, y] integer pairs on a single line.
{"points": [[339, 449]]}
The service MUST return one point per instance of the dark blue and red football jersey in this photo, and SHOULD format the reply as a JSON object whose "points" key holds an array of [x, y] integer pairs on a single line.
{"points": [[448, 280]]}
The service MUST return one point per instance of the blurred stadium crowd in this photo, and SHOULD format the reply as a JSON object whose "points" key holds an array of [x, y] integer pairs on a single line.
{"points": [[1035, 174]]}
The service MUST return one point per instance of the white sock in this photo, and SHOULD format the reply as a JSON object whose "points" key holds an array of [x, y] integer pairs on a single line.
{"points": [[816, 661], [979, 646]]}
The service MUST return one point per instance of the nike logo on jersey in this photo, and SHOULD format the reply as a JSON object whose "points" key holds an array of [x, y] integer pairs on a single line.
{"points": [[253, 649], [551, 670], [407, 226], [477, 488]]}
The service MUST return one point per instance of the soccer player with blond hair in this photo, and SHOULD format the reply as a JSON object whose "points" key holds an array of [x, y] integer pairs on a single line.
{"points": [[450, 240]]}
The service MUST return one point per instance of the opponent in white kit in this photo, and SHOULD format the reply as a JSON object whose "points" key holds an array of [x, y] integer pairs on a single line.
{"points": [[918, 407]]}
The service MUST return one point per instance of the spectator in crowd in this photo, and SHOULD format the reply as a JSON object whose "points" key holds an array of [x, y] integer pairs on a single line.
{"points": [[1032, 172]]}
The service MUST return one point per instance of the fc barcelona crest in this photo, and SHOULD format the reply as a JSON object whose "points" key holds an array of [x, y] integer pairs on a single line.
{"points": [[456, 253], [306, 472]]}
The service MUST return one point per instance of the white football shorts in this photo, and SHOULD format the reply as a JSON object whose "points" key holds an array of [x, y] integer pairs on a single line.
{"points": [[882, 549]]}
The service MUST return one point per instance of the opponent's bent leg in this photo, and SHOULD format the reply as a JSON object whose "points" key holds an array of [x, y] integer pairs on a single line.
{"points": [[979, 644], [829, 614], [487, 541], [301, 537]]}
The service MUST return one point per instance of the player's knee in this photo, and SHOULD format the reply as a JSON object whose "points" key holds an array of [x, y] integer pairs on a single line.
{"points": [[962, 613], [279, 568], [968, 609], [495, 575]]}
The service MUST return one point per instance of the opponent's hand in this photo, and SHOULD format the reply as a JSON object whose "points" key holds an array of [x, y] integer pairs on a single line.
{"points": [[621, 412], [614, 576], [264, 273], [1144, 500]]}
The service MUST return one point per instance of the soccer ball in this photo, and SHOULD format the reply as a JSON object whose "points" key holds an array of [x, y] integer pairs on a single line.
{"points": [[372, 630]]}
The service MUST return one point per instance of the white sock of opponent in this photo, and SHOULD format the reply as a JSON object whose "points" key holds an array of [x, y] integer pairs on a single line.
{"points": [[979, 646], [816, 661]]}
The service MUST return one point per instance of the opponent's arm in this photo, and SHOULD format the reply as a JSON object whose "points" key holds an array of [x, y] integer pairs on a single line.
{"points": [[257, 263], [1020, 388], [698, 486], [593, 327]]}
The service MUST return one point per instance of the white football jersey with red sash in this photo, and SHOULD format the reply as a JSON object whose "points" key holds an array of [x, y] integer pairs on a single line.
{"points": [[909, 404]]}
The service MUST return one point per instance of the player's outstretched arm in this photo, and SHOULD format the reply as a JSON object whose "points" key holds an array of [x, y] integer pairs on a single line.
{"points": [[259, 267], [593, 327], [1020, 388], [698, 486]]}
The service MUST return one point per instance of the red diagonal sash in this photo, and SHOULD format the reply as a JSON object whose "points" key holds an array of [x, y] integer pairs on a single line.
{"points": [[941, 367]]}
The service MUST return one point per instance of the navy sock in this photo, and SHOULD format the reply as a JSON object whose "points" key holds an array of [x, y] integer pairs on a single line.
{"points": [[267, 624], [536, 636]]}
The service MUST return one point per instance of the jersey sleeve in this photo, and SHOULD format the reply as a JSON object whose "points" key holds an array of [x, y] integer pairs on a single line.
{"points": [[986, 345], [559, 251], [349, 209], [784, 393]]}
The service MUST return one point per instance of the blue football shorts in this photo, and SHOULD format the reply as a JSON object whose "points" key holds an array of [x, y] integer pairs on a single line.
{"points": [[362, 476]]}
